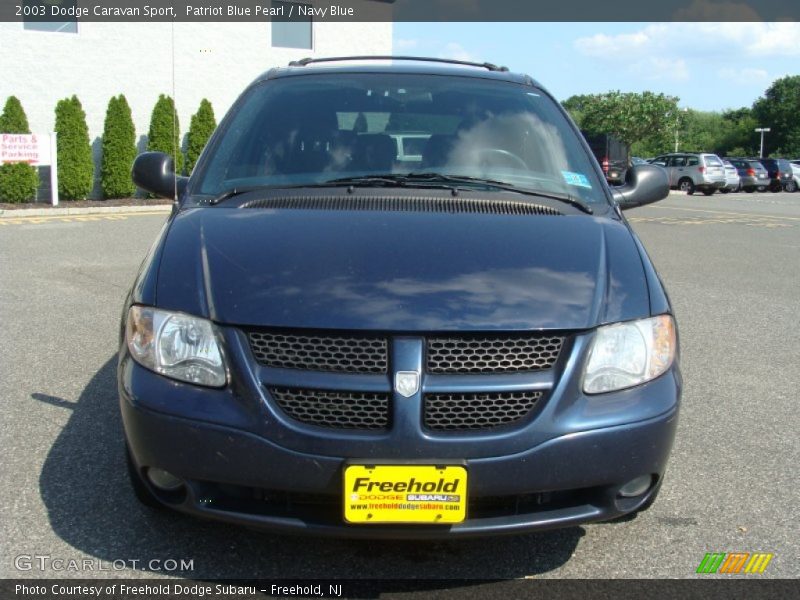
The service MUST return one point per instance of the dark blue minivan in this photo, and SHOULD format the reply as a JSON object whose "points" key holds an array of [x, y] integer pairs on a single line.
{"points": [[397, 298]]}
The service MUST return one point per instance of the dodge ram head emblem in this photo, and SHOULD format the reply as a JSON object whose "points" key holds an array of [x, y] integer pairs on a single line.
{"points": [[406, 383]]}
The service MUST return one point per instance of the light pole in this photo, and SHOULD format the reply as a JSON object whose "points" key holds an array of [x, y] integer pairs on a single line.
{"points": [[762, 131]]}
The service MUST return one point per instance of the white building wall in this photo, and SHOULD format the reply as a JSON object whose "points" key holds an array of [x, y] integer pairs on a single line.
{"points": [[212, 60]]}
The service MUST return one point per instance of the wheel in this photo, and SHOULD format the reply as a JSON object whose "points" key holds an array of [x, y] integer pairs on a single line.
{"points": [[791, 187], [709, 192], [686, 185], [140, 490]]}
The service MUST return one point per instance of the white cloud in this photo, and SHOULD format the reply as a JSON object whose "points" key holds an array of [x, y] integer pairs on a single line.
{"points": [[655, 68], [667, 40], [456, 51], [677, 51], [746, 76]]}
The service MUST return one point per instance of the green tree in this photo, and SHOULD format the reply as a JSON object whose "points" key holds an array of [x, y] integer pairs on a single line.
{"points": [[201, 127], [737, 133], [18, 181], [631, 117], [164, 134], [119, 150], [75, 164], [778, 110], [575, 106]]}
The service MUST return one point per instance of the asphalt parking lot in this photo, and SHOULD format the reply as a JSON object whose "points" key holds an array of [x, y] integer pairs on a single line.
{"points": [[732, 267]]}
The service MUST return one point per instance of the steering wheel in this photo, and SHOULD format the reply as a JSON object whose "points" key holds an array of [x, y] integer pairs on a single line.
{"points": [[489, 157]]}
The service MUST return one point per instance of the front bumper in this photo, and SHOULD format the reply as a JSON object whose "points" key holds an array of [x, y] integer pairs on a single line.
{"points": [[239, 470]]}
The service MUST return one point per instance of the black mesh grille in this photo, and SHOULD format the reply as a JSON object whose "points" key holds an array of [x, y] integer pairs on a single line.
{"points": [[492, 354], [338, 410], [320, 352], [454, 412]]}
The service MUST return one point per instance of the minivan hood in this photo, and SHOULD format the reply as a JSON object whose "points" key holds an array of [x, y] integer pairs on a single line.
{"points": [[401, 271]]}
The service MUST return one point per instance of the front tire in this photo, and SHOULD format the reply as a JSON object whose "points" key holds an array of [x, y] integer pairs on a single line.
{"points": [[686, 185], [791, 187]]}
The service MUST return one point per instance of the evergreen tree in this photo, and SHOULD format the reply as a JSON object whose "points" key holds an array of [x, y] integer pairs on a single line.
{"points": [[200, 129], [75, 165], [18, 181], [119, 150], [164, 134]]}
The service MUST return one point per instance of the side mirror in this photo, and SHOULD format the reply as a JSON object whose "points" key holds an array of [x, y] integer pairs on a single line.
{"points": [[154, 172], [644, 184]]}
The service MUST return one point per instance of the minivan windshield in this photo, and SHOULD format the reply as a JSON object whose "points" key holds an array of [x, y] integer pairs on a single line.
{"points": [[312, 129]]}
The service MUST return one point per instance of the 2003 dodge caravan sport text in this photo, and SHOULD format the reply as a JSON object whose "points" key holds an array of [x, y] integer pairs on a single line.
{"points": [[398, 299]]}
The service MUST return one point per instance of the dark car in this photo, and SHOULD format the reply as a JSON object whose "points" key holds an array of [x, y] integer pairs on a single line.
{"points": [[752, 174], [611, 154], [330, 338], [780, 173]]}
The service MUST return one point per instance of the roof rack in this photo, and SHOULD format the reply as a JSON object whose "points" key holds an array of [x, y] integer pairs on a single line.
{"points": [[307, 61]]}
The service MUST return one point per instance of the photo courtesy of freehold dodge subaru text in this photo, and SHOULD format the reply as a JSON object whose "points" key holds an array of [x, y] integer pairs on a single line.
{"points": [[398, 300]]}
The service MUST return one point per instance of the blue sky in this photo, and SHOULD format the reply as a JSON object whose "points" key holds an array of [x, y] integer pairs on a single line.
{"points": [[709, 66]]}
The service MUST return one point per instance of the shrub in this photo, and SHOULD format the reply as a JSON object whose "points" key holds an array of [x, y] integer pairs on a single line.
{"points": [[164, 134], [119, 150], [200, 129], [18, 181], [75, 165]]}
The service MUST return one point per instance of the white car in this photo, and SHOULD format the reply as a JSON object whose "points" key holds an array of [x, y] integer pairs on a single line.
{"points": [[733, 182], [794, 185]]}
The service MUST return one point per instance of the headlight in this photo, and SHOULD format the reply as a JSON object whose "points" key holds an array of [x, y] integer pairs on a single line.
{"points": [[176, 345], [627, 354]]}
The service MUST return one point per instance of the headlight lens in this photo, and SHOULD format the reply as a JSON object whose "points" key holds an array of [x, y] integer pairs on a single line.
{"points": [[627, 354], [176, 345]]}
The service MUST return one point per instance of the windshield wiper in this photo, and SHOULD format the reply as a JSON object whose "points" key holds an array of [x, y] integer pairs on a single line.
{"points": [[437, 180], [387, 180], [236, 191], [501, 185]]}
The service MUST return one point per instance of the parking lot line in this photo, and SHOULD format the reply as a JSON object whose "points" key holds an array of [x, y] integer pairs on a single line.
{"points": [[724, 212], [11, 220]]}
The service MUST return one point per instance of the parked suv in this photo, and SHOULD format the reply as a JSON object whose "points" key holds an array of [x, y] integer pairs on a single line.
{"points": [[693, 171], [752, 174], [329, 338], [780, 173]]}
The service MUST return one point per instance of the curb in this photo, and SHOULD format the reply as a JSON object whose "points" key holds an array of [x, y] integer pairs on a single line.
{"points": [[89, 210]]}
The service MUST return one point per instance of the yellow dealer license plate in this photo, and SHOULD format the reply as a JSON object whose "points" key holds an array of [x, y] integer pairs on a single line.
{"points": [[426, 494]]}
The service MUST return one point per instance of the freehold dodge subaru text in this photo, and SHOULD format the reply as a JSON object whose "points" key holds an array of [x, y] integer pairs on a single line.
{"points": [[397, 298]]}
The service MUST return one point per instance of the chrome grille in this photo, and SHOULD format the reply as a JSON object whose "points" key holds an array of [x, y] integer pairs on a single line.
{"points": [[475, 411], [344, 354], [492, 354], [334, 409]]}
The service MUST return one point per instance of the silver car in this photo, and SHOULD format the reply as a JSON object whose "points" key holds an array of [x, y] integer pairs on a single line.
{"points": [[733, 183], [794, 184], [693, 171]]}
